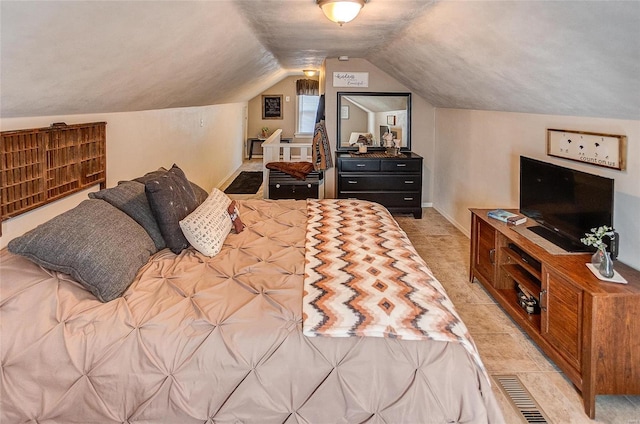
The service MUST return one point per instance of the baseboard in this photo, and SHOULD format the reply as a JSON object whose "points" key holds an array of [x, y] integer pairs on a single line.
{"points": [[460, 227]]}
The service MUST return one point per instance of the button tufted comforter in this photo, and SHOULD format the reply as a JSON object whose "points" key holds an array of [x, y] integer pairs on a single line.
{"points": [[216, 340]]}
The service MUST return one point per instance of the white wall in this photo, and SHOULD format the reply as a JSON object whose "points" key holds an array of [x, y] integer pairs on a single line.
{"points": [[206, 142], [422, 117], [477, 157]]}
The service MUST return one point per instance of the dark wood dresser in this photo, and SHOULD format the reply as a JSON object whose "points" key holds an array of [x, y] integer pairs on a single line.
{"points": [[393, 181]]}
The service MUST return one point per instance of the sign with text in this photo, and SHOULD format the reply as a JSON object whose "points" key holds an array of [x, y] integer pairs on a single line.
{"points": [[272, 106], [606, 150], [351, 79]]}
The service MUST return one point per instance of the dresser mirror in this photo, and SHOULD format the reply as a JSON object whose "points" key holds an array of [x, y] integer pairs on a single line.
{"points": [[375, 120]]}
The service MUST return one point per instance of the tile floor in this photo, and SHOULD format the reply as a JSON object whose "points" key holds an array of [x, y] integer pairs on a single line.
{"points": [[504, 348]]}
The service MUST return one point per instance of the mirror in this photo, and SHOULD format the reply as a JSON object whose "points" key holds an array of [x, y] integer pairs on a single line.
{"points": [[376, 120]]}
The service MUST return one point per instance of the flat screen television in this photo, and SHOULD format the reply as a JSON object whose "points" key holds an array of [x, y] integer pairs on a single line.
{"points": [[564, 202]]}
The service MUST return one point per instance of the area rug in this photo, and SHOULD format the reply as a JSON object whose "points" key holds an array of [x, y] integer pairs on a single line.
{"points": [[247, 182]]}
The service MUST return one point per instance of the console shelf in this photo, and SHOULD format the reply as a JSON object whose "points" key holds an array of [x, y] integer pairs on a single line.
{"points": [[588, 327], [522, 277]]}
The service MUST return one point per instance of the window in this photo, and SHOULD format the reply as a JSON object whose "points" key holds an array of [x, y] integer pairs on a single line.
{"points": [[307, 107]]}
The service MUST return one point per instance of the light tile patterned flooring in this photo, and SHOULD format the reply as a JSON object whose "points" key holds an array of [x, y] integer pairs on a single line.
{"points": [[504, 348]]}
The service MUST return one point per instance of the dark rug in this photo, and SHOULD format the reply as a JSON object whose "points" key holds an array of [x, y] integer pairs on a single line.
{"points": [[248, 182]]}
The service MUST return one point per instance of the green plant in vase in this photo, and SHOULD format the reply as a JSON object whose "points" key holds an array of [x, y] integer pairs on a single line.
{"points": [[600, 259]]}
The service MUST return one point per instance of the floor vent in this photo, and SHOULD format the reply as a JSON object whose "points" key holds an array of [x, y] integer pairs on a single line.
{"points": [[521, 399]]}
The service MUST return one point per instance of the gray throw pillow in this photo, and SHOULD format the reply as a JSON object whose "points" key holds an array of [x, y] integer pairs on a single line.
{"points": [[151, 175], [201, 194], [130, 198], [100, 246], [171, 198]]}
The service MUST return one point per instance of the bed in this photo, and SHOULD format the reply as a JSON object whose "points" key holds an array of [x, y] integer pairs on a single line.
{"points": [[234, 337]]}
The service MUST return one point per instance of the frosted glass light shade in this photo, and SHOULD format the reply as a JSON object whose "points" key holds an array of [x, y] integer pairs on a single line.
{"points": [[341, 11]]}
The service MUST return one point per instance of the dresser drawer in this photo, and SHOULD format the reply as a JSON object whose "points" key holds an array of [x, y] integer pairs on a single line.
{"points": [[293, 191], [399, 165], [377, 182], [389, 199], [360, 165]]}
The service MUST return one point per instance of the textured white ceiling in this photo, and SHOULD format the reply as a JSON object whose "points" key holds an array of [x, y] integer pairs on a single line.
{"points": [[561, 57]]}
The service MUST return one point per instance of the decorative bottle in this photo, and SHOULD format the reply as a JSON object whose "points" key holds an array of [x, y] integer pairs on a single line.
{"points": [[606, 266], [598, 256]]}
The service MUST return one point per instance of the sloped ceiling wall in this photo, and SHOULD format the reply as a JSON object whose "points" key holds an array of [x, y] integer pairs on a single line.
{"points": [[575, 58], [551, 57], [63, 57]]}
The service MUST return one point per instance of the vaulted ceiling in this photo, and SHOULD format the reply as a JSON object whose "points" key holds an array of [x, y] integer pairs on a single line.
{"points": [[555, 57]]}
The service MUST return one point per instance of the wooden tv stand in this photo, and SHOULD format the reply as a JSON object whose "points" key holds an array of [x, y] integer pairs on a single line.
{"points": [[589, 328]]}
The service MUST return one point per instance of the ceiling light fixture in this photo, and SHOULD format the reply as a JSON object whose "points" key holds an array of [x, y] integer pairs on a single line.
{"points": [[341, 11], [309, 72]]}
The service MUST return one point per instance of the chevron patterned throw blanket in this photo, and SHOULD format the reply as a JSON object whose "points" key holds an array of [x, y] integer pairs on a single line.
{"points": [[363, 277]]}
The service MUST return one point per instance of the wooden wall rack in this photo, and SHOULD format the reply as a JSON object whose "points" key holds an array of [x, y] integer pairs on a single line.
{"points": [[40, 165]]}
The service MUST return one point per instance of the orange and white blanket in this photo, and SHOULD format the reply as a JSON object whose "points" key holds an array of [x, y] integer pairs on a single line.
{"points": [[363, 277]]}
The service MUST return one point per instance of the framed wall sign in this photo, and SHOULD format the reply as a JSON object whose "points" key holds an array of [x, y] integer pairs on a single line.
{"points": [[606, 150], [351, 79], [272, 106]]}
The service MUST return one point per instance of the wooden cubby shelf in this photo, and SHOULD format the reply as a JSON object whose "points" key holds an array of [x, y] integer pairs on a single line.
{"points": [[589, 328], [40, 165]]}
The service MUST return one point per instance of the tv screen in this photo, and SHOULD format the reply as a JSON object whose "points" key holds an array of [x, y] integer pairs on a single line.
{"points": [[565, 202]]}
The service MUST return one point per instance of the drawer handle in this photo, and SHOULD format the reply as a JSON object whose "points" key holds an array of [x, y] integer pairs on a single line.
{"points": [[543, 301], [352, 182], [492, 256], [409, 182], [408, 198], [277, 185], [309, 185], [401, 164], [361, 164]]}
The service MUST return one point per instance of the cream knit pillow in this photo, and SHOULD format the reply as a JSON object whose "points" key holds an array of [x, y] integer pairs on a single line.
{"points": [[207, 227]]}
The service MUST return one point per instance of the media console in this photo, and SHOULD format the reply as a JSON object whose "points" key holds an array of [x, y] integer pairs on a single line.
{"points": [[589, 328]]}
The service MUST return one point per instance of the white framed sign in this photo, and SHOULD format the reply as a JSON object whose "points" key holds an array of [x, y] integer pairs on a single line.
{"points": [[351, 79], [606, 150]]}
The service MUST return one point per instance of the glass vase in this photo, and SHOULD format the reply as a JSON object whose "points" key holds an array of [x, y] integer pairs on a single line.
{"points": [[606, 266], [598, 257]]}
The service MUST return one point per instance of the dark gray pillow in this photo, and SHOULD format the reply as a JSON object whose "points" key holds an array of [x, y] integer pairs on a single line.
{"points": [[201, 194], [151, 175], [100, 246], [171, 199], [130, 198]]}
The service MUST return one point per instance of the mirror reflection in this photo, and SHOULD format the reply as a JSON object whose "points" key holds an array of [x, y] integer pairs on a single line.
{"points": [[376, 120]]}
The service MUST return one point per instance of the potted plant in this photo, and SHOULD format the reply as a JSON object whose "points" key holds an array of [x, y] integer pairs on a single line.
{"points": [[601, 259]]}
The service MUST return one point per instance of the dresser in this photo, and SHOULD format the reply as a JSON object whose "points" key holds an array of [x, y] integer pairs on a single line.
{"points": [[393, 181]]}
